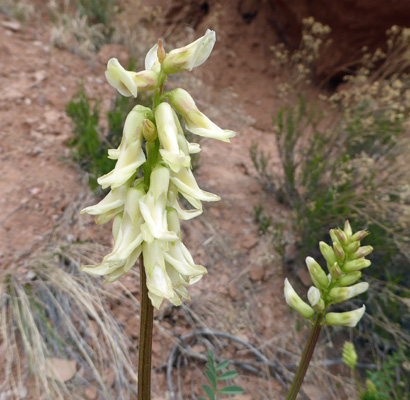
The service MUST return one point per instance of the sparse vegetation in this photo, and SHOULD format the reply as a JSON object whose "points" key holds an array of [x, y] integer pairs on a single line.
{"points": [[346, 157], [17, 9], [49, 316]]}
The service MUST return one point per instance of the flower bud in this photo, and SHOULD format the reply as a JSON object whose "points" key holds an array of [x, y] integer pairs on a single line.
{"points": [[335, 271], [337, 295], [359, 235], [333, 236], [128, 82], [349, 355], [352, 247], [348, 229], [319, 277], [196, 122], [295, 302], [160, 52], [149, 130], [327, 253], [341, 236], [340, 254], [349, 318], [349, 279], [371, 387], [356, 265], [361, 252], [315, 299], [190, 56]]}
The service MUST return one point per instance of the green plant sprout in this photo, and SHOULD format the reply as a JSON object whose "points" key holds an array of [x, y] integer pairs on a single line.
{"points": [[345, 260], [214, 374], [153, 169]]}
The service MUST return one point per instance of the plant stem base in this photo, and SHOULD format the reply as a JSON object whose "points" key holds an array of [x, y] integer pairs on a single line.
{"points": [[145, 338]]}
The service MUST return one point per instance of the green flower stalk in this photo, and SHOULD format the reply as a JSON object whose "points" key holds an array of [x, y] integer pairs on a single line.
{"points": [[345, 259], [152, 172]]}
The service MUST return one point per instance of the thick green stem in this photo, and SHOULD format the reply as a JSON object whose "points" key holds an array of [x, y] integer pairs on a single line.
{"points": [[145, 343], [306, 357]]}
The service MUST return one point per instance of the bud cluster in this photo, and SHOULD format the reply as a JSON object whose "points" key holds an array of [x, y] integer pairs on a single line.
{"points": [[345, 259], [145, 206]]}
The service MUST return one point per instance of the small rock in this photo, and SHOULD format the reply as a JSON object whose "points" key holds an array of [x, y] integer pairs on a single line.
{"points": [[312, 391], [90, 393], [31, 275], [249, 241], [257, 273], [12, 94], [233, 291], [14, 26], [60, 369]]}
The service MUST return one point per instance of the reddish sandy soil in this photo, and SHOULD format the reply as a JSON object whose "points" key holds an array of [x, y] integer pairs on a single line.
{"points": [[242, 293]]}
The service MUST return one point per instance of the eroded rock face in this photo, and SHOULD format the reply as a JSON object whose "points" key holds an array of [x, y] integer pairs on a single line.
{"points": [[354, 23]]}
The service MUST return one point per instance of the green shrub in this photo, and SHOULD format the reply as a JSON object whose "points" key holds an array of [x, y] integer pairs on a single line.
{"points": [[89, 148]]}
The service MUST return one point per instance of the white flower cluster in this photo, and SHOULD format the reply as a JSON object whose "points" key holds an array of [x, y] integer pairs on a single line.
{"points": [[146, 211]]}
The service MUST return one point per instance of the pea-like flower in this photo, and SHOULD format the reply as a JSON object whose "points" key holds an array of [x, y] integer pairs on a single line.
{"points": [[349, 318], [127, 237], [191, 56], [186, 184], [170, 267], [196, 122], [129, 154], [128, 83], [167, 126], [109, 207], [153, 207], [295, 302]]}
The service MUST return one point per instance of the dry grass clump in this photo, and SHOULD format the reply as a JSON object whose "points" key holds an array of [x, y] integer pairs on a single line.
{"points": [[20, 10], [50, 311], [84, 26]]}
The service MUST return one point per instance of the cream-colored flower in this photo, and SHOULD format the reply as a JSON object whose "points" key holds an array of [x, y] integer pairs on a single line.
{"points": [[196, 122], [169, 267], [109, 206], [178, 255], [128, 239], [153, 207], [128, 82], [295, 302], [188, 57], [186, 184], [349, 318], [129, 154], [158, 282], [182, 213], [167, 126]]}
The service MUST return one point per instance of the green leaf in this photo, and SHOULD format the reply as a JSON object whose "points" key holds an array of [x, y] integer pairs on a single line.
{"points": [[210, 356], [227, 375], [212, 378], [222, 365], [201, 398], [209, 392], [231, 390], [211, 367]]}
